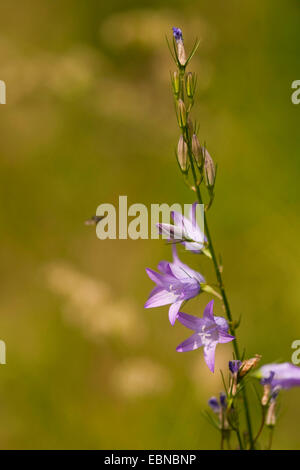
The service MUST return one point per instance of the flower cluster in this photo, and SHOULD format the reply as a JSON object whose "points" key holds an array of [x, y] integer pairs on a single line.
{"points": [[176, 282]]}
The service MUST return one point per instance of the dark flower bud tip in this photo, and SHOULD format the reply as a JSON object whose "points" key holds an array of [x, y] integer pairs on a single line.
{"points": [[214, 404], [223, 400], [234, 366], [177, 33]]}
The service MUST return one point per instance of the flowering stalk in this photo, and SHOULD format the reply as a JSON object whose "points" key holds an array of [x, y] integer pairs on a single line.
{"points": [[176, 283], [184, 106]]}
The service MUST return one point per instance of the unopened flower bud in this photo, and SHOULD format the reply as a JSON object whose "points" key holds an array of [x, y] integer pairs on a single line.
{"points": [[223, 401], [196, 148], [214, 404], [177, 33], [209, 169], [266, 395], [249, 364], [182, 152], [175, 83], [190, 84], [219, 407], [234, 367], [181, 114], [267, 383], [271, 416], [181, 52]]}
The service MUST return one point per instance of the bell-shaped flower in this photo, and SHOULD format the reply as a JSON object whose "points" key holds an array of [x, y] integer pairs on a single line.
{"points": [[175, 283], [284, 375], [185, 230], [209, 331]]}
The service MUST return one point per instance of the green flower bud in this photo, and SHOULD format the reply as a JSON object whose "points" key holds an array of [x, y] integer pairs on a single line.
{"points": [[182, 154], [181, 114], [175, 83], [197, 151], [190, 84], [209, 169]]}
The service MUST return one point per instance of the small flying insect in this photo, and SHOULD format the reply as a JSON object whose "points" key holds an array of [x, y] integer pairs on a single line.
{"points": [[94, 220]]}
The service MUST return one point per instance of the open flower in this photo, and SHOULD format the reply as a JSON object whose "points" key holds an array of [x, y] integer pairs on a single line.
{"points": [[284, 375], [185, 230], [209, 331], [175, 283]]}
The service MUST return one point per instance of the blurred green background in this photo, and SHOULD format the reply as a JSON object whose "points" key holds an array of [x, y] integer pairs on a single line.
{"points": [[89, 117]]}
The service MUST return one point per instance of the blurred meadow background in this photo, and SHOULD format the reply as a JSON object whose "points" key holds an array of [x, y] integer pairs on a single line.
{"points": [[89, 117]]}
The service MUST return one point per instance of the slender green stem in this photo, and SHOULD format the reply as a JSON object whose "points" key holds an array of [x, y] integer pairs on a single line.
{"points": [[222, 440], [187, 138], [221, 285], [228, 442], [239, 439], [270, 438], [261, 425]]}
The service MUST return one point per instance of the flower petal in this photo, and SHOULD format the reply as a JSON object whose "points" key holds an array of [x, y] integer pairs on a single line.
{"points": [[208, 313], [171, 231], [162, 280], [182, 271], [173, 311], [164, 267], [222, 323], [287, 375], [225, 337], [192, 214], [209, 355], [190, 344], [195, 247], [159, 297], [155, 277], [190, 321], [178, 219]]}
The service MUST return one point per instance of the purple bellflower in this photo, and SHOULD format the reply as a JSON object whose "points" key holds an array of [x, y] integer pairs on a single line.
{"points": [[268, 380], [185, 230], [175, 283], [285, 375], [209, 331]]}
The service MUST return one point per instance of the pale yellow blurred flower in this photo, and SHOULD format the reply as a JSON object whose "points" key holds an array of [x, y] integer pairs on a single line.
{"points": [[147, 27], [91, 305], [138, 377]]}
